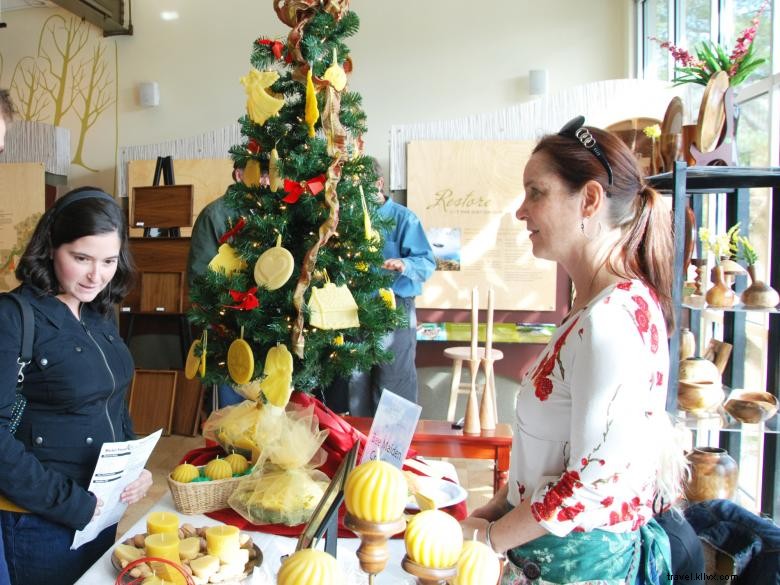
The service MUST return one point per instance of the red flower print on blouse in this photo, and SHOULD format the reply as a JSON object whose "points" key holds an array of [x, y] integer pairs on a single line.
{"points": [[607, 502], [642, 321], [653, 338], [659, 378], [570, 512], [624, 285], [543, 386]]}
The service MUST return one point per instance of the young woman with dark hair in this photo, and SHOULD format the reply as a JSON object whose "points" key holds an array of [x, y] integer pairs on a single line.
{"points": [[75, 268], [592, 443]]}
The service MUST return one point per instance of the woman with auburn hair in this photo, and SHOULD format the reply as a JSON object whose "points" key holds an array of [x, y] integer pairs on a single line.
{"points": [[76, 267], [593, 446]]}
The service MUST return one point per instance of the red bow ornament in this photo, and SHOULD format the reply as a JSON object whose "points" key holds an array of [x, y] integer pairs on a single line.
{"points": [[246, 301], [295, 189], [276, 46]]}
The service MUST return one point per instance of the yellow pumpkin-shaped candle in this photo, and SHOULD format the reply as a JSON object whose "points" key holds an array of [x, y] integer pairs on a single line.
{"points": [[308, 566], [477, 565], [218, 469], [237, 462], [185, 473], [376, 491], [434, 539]]}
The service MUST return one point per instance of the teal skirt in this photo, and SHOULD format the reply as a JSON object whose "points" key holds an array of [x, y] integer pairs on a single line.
{"points": [[641, 557]]}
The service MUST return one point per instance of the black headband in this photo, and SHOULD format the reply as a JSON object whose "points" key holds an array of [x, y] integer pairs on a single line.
{"points": [[78, 196]]}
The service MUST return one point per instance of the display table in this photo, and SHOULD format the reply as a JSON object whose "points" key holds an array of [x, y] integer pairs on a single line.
{"points": [[437, 438], [272, 547]]}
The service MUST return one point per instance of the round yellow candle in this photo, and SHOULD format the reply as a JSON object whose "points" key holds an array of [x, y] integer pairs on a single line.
{"points": [[434, 539], [308, 566], [163, 545], [376, 491], [158, 522], [477, 565], [222, 542]]}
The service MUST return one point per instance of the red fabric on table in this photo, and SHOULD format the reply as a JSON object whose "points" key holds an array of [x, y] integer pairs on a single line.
{"points": [[341, 438]]}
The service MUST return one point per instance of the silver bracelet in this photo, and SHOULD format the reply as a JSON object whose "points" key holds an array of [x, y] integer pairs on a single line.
{"points": [[489, 541]]}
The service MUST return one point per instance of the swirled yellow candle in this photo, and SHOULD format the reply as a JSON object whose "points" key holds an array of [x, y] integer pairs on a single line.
{"points": [[158, 522], [309, 566], [477, 565], [376, 491], [222, 542], [163, 545], [434, 539]]}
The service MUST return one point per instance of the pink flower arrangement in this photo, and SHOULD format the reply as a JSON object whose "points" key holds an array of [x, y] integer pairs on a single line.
{"points": [[711, 57]]}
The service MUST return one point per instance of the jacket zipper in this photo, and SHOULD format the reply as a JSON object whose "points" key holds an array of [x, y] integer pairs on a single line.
{"points": [[110, 373]]}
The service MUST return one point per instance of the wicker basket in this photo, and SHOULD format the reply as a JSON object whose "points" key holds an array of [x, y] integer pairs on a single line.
{"points": [[202, 496]]}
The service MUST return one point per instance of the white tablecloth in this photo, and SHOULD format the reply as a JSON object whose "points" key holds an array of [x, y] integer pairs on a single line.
{"points": [[273, 548]]}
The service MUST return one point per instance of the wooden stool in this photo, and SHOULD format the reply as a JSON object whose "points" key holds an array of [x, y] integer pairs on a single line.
{"points": [[458, 355]]}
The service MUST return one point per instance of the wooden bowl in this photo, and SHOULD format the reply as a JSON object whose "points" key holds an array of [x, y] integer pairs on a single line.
{"points": [[751, 407], [696, 397]]}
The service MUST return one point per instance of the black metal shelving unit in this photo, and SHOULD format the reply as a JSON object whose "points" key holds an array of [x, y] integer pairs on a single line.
{"points": [[686, 183]]}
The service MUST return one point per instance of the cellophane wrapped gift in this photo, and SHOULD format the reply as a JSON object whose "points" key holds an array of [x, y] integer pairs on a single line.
{"points": [[285, 486]]}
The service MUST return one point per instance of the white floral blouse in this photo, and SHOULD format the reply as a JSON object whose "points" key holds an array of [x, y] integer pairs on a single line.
{"points": [[583, 447]]}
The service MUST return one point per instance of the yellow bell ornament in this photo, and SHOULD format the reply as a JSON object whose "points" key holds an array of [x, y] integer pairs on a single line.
{"points": [[227, 260], [335, 74], [274, 177], [311, 112], [260, 104], [252, 173], [274, 266], [277, 384], [240, 360]]}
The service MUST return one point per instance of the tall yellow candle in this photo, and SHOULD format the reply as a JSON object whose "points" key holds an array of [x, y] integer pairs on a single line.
{"points": [[222, 542], [163, 545], [489, 330], [474, 321], [162, 522]]}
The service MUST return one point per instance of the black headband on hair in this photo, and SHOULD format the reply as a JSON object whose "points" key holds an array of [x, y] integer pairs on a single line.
{"points": [[80, 195]]}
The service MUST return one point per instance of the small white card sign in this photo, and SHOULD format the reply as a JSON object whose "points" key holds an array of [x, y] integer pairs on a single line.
{"points": [[391, 432]]}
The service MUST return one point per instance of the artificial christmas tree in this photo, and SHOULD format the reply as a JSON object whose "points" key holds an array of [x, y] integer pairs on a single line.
{"points": [[306, 217]]}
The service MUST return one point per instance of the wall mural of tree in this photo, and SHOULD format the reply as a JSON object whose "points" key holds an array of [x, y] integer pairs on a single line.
{"points": [[70, 82]]}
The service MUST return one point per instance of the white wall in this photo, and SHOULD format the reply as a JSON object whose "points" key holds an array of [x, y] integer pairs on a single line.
{"points": [[414, 60]]}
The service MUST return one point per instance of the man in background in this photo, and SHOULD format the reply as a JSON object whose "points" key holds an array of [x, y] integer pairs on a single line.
{"points": [[409, 255]]}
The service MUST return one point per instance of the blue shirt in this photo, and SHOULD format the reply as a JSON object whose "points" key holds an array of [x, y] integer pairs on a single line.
{"points": [[408, 242]]}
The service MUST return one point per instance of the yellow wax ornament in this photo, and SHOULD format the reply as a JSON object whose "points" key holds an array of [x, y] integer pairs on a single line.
{"points": [[338, 340], [477, 565], [434, 539], [309, 566], [189, 548], [252, 173], [376, 491], [204, 345], [335, 74], [237, 462], [192, 363], [241, 361], [163, 545], [371, 234], [184, 473], [333, 307], [362, 266], [260, 104], [226, 260], [274, 266], [311, 114], [274, 177], [388, 296], [162, 522], [277, 381], [223, 542], [218, 469]]}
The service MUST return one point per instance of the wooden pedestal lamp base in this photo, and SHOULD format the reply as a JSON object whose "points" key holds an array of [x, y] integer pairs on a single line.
{"points": [[372, 553], [426, 575]]}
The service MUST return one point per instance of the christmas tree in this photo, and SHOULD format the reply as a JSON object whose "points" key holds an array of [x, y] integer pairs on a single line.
{"points": [[307, 240]]}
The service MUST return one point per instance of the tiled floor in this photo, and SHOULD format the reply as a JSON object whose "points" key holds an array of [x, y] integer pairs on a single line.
{"points": [[475, 475]]}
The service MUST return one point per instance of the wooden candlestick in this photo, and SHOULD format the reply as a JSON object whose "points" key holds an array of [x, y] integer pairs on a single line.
{"points": [[471, 425], [474, 322], [426, 575], [487, 409], [372, 553]]}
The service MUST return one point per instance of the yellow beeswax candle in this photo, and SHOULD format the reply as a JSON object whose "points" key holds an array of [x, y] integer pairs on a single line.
{"points": [[309, 566], [434, 539], [477, 565], [155, 580], [222, 542], [158, 522], [163, 545], [376, 491]]}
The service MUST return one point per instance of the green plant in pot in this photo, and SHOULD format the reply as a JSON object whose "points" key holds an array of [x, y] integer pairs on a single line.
{"points": [[758, 295], [722, 246]]}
